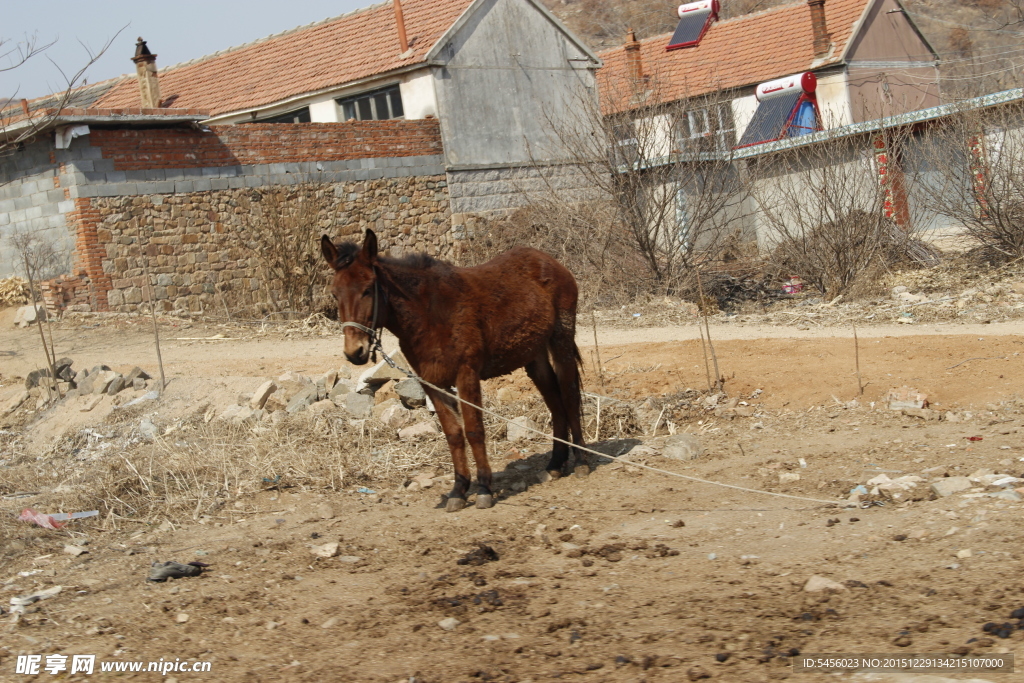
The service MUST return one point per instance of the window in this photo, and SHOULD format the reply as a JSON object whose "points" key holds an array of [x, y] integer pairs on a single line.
{"points": [[373, 106], [706, 130], [625, 150], [297, 116]]}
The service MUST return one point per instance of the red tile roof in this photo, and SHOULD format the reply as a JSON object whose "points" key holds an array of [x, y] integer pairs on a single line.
{"points": [[738, 52], [307, 59]]}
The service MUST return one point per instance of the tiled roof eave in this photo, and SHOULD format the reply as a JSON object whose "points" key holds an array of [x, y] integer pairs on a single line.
{"points": [[297, 99], [44, 123]]}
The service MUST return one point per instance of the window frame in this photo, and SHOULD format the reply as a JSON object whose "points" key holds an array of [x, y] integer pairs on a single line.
{"points": [[391, 94]]}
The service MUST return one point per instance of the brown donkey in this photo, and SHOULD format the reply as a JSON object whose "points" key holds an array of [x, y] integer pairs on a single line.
{"points": [[458, 326]]}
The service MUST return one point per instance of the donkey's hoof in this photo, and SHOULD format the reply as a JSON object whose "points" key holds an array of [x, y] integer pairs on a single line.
{"points": [[484, 501], [582, 471], [455, 504]]}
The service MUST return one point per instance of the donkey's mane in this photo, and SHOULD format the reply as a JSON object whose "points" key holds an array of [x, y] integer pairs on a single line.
{"points": [[347, 252]]}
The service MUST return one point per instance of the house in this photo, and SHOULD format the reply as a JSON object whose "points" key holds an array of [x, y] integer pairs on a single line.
{"points": [[866, 58], [449, 101]]}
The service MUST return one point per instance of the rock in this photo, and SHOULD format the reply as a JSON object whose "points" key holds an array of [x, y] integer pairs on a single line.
{"points": [[27, 315], [230, 412], [950, 485], [90, 403], [417, 430], [136, 373], [412, 487], [449, 624], [103, 380], [922, 413], [380, 407], [85, 381], [75, 550], [330, 623], [246, 413], [139, 384], [181, 618], [905, 397], [964, 553], [359, 405], [817, 583], [543, 477], [505, 395], [326, 550], [395, 416], [521, 428], [382, 372], [788, 477], [341, 388], [1007, 495], [425, 481], [323, 406], [411, 393], [682, 447], [116, 385], [697, 672], [302, 399], [325, 511], [350, 559], [148, 430], [262, 393], [385, 393], [16, 402]]}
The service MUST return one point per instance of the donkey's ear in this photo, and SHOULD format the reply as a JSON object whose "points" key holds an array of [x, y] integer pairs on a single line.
{"points": [[328, 249], [370, 246]]}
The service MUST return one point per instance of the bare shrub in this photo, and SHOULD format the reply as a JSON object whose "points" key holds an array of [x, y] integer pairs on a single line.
{"points": [[976, 158], [831, 213], [282, 229]]}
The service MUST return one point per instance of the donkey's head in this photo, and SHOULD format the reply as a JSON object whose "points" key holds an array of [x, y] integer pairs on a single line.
{"points": [[355, 288]]}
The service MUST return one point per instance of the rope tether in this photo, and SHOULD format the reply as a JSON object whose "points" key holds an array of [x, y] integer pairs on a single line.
{"points": [[375, 340]]}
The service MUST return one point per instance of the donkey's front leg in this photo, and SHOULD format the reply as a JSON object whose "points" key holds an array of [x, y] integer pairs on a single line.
{"points": [[468, 382], [446, 409]]}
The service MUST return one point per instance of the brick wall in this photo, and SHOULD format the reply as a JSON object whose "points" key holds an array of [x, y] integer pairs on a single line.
{"points": [[266, 143]]}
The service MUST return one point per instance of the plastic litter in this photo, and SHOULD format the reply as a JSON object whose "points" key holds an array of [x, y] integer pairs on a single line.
{"points": [[161, 571], [19, 604], [363, 489], [148, 396], [53, 521], [859, 488]]}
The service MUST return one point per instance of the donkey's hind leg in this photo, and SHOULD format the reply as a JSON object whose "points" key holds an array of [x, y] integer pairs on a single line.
{"points": [[565, 357], [543, 375]]}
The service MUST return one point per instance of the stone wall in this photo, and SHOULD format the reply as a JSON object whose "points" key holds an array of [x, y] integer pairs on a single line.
{"points": [[200, 252]]}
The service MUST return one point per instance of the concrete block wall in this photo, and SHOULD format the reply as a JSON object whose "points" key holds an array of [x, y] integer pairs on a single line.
{"points": [[497, 191], [33, 202]]}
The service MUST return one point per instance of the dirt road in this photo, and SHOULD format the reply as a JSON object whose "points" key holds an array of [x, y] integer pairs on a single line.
{"points": [[627, 575]]}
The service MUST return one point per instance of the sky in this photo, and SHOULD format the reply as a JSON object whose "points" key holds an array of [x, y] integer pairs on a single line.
{"points": [[175, 31]]}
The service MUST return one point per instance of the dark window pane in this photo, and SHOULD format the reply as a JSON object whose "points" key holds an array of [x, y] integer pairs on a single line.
{"points": [[396, 103], [365, 114], [349, 110], [380, 105]]}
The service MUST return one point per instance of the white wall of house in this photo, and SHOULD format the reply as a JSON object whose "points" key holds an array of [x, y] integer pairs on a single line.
{"points": [[418, 98], [743, 109], [324, 111], [660, 140], [834, 100]]}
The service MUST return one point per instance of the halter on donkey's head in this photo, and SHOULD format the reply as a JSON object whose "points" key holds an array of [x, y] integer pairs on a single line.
{"points": [[379, 295]]}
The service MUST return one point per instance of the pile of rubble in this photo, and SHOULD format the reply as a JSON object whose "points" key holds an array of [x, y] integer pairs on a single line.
{"points": [[97, 382], [381, 392]]}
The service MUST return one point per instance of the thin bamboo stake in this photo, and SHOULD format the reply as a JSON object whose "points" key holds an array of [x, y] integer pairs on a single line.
{"points": [[856, 352], [39, 324], [707, 330], [597, 349], [152, 312], [704, 348]]}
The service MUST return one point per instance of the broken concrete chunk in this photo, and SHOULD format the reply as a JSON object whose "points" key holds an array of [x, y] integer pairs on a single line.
{"points": [[947, 486], [906, 398], [820, 583], [116, 385], [136, 373], [103, 380], [303, 399], [411, 392], [358, 405], [521, 428], [417, 430], [326, 550]]}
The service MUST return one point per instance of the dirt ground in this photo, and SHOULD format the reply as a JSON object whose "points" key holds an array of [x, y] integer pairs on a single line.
{"points": [[627, 575]]}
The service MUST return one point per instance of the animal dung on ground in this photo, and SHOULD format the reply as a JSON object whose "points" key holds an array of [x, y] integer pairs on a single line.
{"points": [[482, 555]]}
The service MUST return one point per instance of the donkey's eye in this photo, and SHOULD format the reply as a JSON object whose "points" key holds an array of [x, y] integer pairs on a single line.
{"points": [[369, 291]]}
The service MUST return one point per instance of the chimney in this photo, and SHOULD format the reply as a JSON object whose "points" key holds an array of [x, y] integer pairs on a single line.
{"points": [[24, 107], [634, 67], [400, 24], [145, 69], [822, 39]]}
